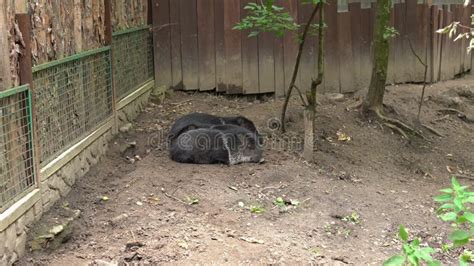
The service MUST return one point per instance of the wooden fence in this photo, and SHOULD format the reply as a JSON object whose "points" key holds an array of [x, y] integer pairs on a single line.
{"points": [[197, 49]]}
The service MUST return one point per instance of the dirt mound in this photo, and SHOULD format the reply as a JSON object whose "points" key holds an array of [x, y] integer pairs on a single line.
{"points": [[343, 208]]}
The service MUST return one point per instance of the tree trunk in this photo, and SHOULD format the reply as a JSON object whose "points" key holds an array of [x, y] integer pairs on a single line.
{"points": [[297, 65], [374, 99], [310, 111]]}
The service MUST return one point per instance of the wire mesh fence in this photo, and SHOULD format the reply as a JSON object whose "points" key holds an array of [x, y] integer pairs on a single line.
{"points": [[133, 59], [73, 97], [17, 171]]}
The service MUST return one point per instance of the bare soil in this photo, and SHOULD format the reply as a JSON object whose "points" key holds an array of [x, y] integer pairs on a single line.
{"points": [[352, 198]]}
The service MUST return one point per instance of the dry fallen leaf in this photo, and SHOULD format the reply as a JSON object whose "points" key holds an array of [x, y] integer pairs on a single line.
{"points": [[341, 136]]}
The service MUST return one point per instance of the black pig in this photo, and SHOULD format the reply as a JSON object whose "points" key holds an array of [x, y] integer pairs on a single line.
{"points": [[201, 120], [227, 144]]}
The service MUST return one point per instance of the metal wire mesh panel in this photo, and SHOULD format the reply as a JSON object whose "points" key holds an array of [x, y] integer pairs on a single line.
{"points": [[17, 173], [73, 97], [133, 59]]}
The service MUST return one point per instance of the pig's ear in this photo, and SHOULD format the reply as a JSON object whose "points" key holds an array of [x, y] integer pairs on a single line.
{"points": [[245, 123]]}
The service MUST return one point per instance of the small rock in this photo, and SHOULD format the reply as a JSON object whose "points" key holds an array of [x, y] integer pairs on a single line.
{"points": [[118, 219], [126, 128], [183, 245], [105, 263], [56, 230], [336, 97]]}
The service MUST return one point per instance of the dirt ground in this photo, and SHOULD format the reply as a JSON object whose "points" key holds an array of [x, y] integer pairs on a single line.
{"points": [[352, 199]]}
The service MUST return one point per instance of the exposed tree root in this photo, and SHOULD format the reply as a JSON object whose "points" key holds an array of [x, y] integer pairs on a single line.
{"points": [[355, 105], [452, 111], [432, 130], [465, 176], [458, 113], [397, 125], [397, 129]]}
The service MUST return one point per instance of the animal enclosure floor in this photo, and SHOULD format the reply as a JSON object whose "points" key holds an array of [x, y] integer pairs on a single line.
{"points": [[351, 200]]}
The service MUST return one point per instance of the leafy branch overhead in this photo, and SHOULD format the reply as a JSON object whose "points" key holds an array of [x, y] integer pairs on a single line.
{"points": [[267, 17], [454, 30]]}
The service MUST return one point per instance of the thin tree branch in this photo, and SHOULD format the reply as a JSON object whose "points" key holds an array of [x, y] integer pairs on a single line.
{"points": [[297, 65]]}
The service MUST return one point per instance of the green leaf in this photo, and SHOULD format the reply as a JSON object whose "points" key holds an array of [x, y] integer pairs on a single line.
{"points": [[459, 235], [455, 183], [447, 206], [402, 232], [397, 260], [462, 262], [469, 216], [413, 260], [253, 33], [443, 198], [448, 217], [458, 203], [434, 263], [407, 249], [447, 190], [415, 243], [425, 253], [460, 243]]}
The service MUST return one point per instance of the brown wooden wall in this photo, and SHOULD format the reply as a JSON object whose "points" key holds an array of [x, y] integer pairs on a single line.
{"points": [[196, 48]]}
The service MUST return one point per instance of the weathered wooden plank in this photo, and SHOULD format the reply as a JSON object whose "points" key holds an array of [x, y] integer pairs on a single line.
{"points": [[366, 40], [249, 58], [266, 63], [220, 45], [278, 51], [206, 45], [356, 39], [347, 76], [331, 83], [290, 45], [189, 44], [279, 56], [396, 67], [5, 75], [411, 65], [232, 48], [161, 43], [175, 45], [308, 60]]}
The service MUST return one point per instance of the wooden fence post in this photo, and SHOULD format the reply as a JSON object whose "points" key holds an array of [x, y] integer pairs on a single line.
{"points": [[5, 75], [26, 77], [108, 41]]}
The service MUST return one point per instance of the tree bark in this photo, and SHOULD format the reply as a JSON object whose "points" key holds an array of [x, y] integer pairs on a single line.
{"points": [[297, 65], [374, 98], [310, 111]]}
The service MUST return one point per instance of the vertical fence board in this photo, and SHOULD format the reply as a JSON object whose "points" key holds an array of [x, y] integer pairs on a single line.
{"points": [[346, 58], [278, 53], [408, 34], [206, 45], [366, 40], [249, 58], [290, 45], [201, 33], [356, 39], [307, 69], [332, 83], [189, 44], [232, 48], [422, 47], [220, 45], [266, 63], [175, 40], [161, 42]]}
